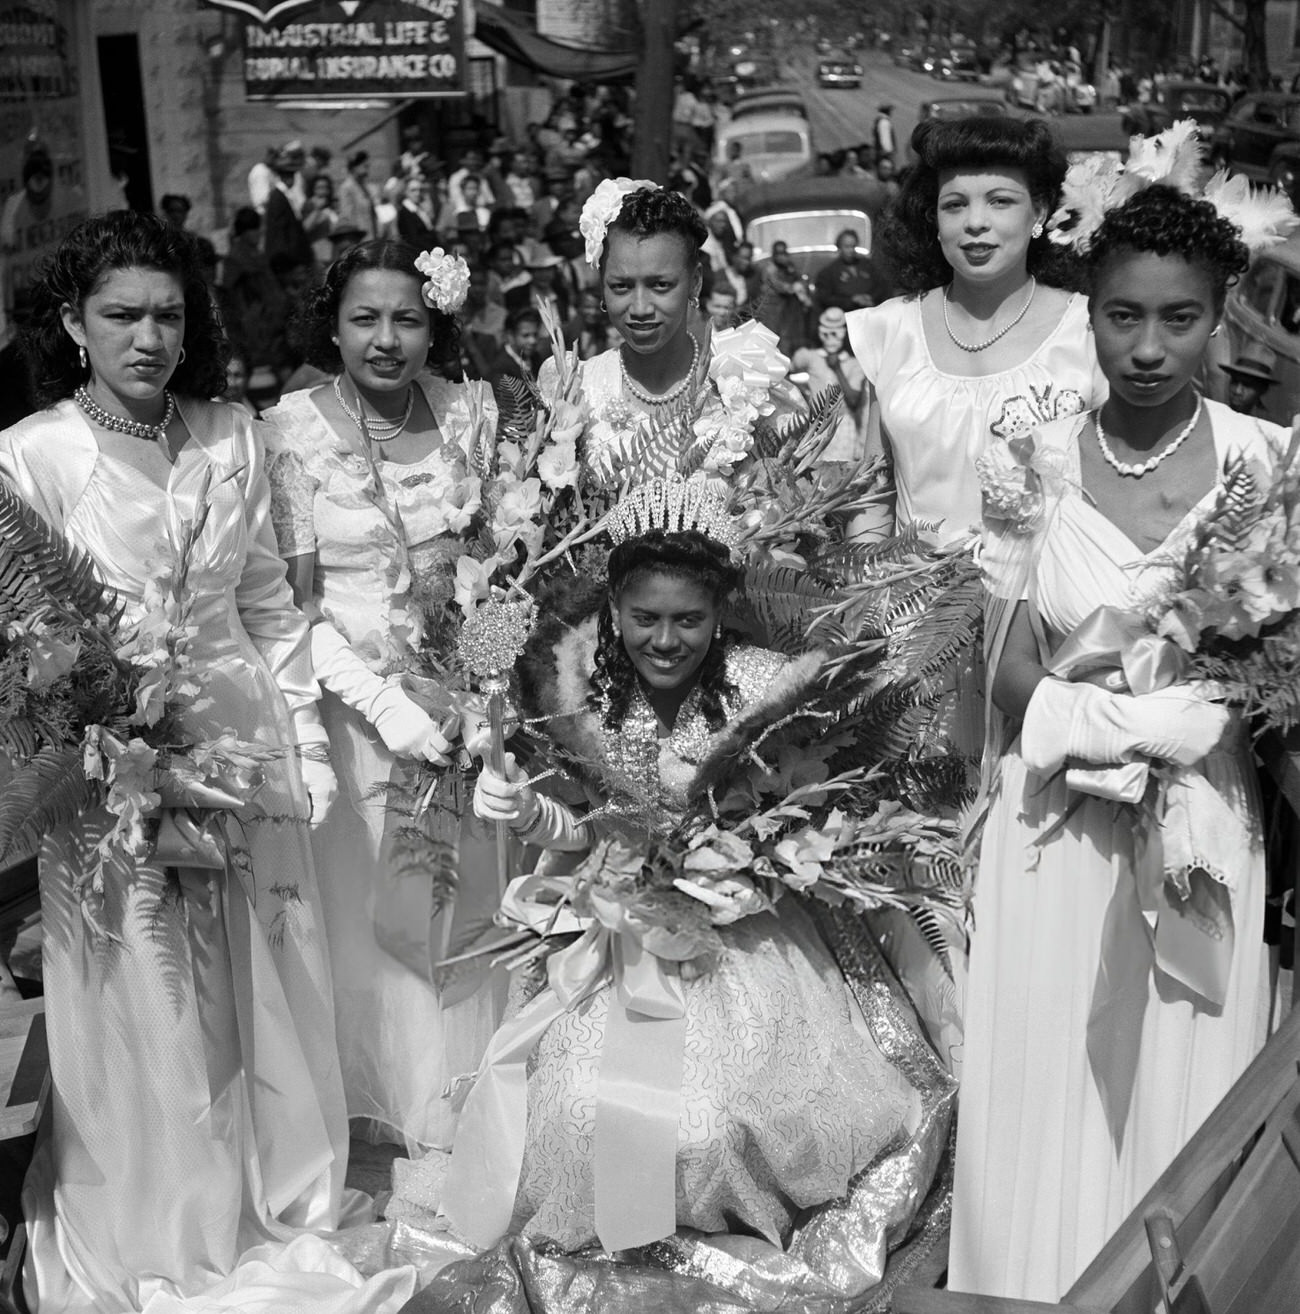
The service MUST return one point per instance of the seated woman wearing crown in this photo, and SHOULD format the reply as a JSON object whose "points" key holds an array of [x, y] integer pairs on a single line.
{"points": [[672, 394], [646, 1090]]}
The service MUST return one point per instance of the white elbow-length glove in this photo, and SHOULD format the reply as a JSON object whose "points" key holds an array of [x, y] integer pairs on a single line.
{"points": [[405, 727], [534, 817], [1066, 720], [314, 761]]}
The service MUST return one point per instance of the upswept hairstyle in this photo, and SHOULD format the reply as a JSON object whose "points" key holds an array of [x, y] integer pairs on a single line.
{"points": [[1165, 221], [687, 555], [908, 237], [649, 212], [316, 322], [120, 239]]}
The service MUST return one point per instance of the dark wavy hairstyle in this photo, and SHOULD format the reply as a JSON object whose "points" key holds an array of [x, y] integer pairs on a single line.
{"points": [[314, 326], [1164, 221], [647, 213], [908, 235], [690, 556], [120, 239]]}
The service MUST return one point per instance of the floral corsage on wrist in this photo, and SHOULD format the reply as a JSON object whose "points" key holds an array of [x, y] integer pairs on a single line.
{"points": [[448, 280], [602, 208]]}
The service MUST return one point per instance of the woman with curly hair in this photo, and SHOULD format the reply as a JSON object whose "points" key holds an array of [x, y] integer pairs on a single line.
{"points": [[1118, 976], [369, 482], [784, 1097], [646, 244], [198, 1105], [985, 341]]}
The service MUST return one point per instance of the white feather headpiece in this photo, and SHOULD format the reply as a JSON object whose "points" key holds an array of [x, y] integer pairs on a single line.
{"points": [[1096, 184]]}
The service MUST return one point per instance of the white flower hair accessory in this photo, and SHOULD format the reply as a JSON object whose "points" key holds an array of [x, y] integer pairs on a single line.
{"points": [[602, 209], [1096, 184], [448, 276]]}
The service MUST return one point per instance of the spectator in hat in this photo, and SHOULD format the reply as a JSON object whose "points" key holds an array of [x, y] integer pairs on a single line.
{"points": [[830, 364], [295, 154], [355, 204], [1250, 376], [548, 287], [283, 231], [414, 157], [343, 237], [882, 133]]}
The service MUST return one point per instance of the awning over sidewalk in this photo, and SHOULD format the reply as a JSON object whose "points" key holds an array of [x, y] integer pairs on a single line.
{"points": [[517, 40]]}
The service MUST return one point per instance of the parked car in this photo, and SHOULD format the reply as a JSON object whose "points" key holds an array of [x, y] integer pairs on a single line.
{"points": [[1249, 139], [1201, 101], [839, 70], [808, 213], [769, 100], [958, 65], [1262, 315], [960, 107], [774, 143]]}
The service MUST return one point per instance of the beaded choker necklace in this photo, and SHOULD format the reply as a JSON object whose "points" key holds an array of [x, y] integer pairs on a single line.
{"points": [[662, 399], [120, 424], [378, 429], [1136, 471]]}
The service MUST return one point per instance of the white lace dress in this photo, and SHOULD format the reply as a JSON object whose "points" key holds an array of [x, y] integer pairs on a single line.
{"points": [[400, 1044]]}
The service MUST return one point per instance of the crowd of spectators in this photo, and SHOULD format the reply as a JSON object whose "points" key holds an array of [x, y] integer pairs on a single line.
{"points": [[512, 210]]}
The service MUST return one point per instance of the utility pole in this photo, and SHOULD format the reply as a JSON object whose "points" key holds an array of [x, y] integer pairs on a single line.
{"points": [[652, 123]]}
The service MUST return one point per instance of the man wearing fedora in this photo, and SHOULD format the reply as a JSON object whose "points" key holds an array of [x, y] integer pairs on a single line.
{"points": [[1250, 376]]}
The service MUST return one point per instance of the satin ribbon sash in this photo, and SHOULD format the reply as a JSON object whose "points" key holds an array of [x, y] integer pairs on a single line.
{"points": [[1148, 927], [638, 1089]]}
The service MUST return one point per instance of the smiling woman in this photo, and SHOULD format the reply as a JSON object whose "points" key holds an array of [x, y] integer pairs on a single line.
{"points": [[984, 343], [358, 470]]}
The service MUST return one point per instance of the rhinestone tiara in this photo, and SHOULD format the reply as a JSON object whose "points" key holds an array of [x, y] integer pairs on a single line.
{"points": [[674, 505]]}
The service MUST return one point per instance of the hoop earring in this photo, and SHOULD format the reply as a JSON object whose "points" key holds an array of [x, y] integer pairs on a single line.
{"points": [[1037, 230], [181, 361], [84, 359], [1214, 332], [604, 309]]}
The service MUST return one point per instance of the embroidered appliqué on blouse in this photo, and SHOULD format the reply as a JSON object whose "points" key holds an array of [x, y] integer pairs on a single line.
{"points": [[1021, 413]]}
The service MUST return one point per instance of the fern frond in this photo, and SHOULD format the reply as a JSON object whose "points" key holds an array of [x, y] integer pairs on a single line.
{"points": [[48, 791], [35, 556], [517, 406], [785, 603]]}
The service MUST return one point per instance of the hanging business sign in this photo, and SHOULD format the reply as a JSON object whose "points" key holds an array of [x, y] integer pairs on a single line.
{"points": [[344, 49]]}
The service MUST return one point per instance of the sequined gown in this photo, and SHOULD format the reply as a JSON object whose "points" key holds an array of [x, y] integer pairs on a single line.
{"points": [[785, 1096], [197, 1104], [400, 1043]]}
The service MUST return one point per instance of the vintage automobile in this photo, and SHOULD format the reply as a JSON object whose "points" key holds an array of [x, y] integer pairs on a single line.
{"points": [[839, 70], [1097, 134], [774, 143], [958, 64], [960, 107], [1256, 135], [808, 213], [1068, 92], [1262, 316], [769, 100], [1201, 101]]}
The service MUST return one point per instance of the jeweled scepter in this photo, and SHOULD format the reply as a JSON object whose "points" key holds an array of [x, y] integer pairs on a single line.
{"points": [[491, 641]]}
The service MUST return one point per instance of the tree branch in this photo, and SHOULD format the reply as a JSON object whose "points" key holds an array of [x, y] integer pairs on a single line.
{"points": [[1224, 12]]}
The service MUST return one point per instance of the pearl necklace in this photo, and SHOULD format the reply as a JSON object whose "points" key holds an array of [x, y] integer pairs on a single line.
{"points": [[649, 398], [1001, 333], [378, 430], [119, 424], [1137, 471]]}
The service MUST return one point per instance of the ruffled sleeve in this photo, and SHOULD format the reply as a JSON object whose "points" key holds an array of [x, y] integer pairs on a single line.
{"points": [[868, 332], [287, 430], [263, 598]]}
